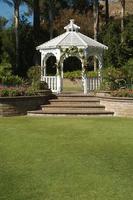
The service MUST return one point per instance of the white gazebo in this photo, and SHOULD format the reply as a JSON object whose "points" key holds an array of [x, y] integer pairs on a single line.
{"points": [[70, 43]]}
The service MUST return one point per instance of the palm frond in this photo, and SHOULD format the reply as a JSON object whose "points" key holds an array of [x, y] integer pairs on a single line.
{"points": [[9, 2]]}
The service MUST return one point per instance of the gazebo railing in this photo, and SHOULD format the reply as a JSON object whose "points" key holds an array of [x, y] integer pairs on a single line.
{"points": [[51, 81], [89, 84], [93, 83]]}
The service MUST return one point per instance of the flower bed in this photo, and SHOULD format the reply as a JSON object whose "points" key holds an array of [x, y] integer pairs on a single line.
{"points": [[122, 93], [17, 91]]}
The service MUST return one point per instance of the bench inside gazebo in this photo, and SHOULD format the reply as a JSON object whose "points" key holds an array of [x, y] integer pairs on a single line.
{"points": [[70, 43]]}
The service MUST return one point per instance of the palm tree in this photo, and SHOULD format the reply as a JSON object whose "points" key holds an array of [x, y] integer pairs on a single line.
{"points": [[36, 19], [96, 25], [122, 17], [106, 11], [15, 4], [96, 18], [51, 16]]}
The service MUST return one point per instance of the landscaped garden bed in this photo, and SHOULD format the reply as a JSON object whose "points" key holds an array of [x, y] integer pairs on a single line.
{"points": [[17, 95], [19, 105]]}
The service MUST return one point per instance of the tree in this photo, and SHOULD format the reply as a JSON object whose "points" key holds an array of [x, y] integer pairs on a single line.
{"points": [[96, 18], [3, 22], [49, 10], [122, 17], [81, 19], [96, 25], [118, 53], [36, 19], [15, 4], [106, 11]]}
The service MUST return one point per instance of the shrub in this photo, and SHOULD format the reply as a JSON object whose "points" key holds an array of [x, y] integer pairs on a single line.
{"points": [[78, 74], [128, 70], [34, 75], [17, 91], [5, 69], [113, 79], [11, 80], [6, 76], [4, 92]]}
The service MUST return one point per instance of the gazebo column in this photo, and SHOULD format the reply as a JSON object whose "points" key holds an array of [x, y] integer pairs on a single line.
{"points": [[61, 76], [100, 65], [85, 84], [58, 80], [84, 78], [43, 67]]}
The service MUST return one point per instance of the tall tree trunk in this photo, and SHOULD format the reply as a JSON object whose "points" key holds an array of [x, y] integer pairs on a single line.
{"points": [[51, 18], [96, 25], [36, 20], [122, 17], [106, 11], [16, 27]]}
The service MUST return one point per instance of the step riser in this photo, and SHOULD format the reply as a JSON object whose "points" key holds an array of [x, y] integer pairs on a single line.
{"points": [[71, 109], [74, 103], [67, 114], [77, 98]]}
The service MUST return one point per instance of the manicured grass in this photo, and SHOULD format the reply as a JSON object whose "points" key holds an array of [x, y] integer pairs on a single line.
{"points": [[69, 85], [66, 158]]}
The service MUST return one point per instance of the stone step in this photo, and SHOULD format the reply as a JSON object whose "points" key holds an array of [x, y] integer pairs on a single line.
{"points": [[72, 96], [79, 108], [72, 105], [74, 101], [68, 113]]}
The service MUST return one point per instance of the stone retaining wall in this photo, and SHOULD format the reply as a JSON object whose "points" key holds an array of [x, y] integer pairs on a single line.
{"points": [[13, 106], [120, 106]]}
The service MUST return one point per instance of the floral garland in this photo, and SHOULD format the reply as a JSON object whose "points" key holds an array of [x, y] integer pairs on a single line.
{"points": [[72, 51]]}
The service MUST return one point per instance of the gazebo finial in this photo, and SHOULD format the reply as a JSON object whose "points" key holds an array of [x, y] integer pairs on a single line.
{"points": [[71, 26]]}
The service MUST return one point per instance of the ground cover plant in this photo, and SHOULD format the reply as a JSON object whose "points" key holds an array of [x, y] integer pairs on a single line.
{"points": [[122, 93], [66, 158]]}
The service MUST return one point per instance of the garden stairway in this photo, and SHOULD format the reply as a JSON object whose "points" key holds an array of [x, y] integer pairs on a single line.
{"points": [[73, 105]]}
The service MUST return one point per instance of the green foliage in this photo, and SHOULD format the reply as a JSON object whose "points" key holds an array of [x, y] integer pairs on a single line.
{"points": [[118, 53], [128, 70], [12, 91], [7, 43], [113, 78], [78, 74], [117, 78], [73, 74], [111, 37], [18, 91], [27, 51], [4, 92], [5, 69], [11, 80], [92, 74], [6, 76], [34, 76]]}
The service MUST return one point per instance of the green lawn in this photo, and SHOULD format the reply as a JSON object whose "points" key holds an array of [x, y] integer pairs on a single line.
{"points": [[66, 158]]}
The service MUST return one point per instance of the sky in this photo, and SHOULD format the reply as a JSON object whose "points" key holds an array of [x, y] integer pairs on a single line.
{"points": [[7, 11]]}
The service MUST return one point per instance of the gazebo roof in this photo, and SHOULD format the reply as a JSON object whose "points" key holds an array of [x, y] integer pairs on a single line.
{"points": [[72, 37]]}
